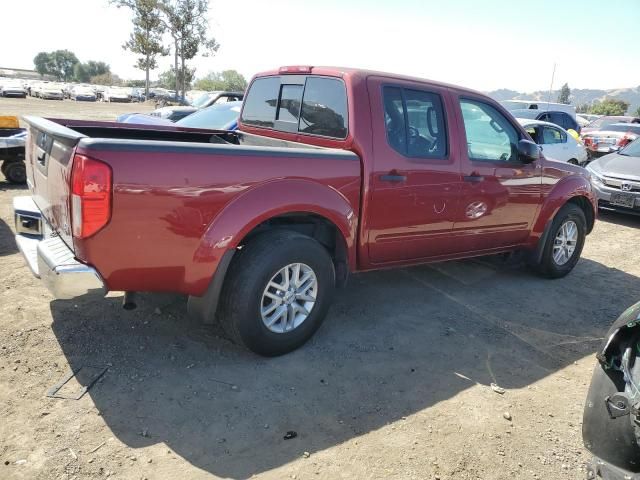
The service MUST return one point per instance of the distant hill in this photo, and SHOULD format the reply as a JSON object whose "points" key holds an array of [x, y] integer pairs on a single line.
{"points": [[578, 96]]}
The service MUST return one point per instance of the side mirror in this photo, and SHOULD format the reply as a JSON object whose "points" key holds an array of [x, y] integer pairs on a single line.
{"points": [[528, 152]]}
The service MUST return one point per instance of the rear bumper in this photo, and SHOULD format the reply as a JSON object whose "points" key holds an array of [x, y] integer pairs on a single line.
{"points": [[600, 470], [48, 256]]}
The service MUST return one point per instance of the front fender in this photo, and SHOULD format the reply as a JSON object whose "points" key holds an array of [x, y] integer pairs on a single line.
{"points": [[265, 201], [559, 193]]}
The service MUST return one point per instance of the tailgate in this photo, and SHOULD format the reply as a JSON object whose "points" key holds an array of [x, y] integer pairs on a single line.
{"points": [[49, 152]]}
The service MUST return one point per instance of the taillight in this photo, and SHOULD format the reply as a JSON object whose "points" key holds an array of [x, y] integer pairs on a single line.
{"points": [[90, 196], [623, 141]]}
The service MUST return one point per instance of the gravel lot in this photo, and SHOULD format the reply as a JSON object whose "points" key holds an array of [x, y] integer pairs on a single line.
{"points": [[395, 385]]}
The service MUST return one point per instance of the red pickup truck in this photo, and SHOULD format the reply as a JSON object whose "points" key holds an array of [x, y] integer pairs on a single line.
{"points": [[332, 171]]}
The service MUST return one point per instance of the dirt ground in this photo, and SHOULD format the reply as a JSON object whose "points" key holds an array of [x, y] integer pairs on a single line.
{"points": [[395, 385]]}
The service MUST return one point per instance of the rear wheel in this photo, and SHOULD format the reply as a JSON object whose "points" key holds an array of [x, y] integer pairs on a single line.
{"points": [[564, 242], [573, 161], [15, 172], [277, 292]]}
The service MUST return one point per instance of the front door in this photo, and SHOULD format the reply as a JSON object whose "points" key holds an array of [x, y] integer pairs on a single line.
{"points": [[415, 182], [500, 195]]}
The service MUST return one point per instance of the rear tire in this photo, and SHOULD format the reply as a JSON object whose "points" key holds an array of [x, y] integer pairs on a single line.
{"points": [[564, 243], [16, 172], [249, 300], [573, 161]]}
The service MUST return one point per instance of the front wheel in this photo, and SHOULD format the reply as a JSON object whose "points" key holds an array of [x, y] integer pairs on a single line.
{"points": [[277, 292], [564, 242]]}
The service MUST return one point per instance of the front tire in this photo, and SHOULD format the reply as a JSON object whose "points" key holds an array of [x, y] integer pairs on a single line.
{"points": [[564, 242], [277, 292]]}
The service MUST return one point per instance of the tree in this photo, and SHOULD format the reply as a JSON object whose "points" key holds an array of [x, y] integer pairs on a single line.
{"points": [[135, 83], [43, 63], [167, 79], [583, 108], [146, 38], [610, 106], [229, 80], [80, 73], [94, 68], [106, 79], [565, 92], [187, 23], [636, 112]]}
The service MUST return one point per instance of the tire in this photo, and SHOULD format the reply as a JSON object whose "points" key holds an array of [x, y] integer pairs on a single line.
{"points": [[250, 273], [573, 161], [548, 266], [16, 172]]}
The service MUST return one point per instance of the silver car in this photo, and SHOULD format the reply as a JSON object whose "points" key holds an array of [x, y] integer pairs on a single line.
{"points": [[616, 179]]}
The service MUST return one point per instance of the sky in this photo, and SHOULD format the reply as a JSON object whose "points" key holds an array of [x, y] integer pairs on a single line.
{"points": [[481, 44]]}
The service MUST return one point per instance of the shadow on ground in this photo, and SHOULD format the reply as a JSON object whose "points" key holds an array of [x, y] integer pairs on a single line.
{"points": [[394, 343], [7, 240]]}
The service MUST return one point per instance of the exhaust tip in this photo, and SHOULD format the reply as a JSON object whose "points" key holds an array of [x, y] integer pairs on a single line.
{"points": [[129, 301]]}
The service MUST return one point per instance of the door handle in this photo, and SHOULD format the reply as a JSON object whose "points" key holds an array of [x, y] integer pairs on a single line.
{"points": [[473, 178], [393, 177], [41, 155]]}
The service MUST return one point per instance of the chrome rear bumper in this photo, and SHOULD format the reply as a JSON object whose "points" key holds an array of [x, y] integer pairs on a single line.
{"points": [[49, 258]]}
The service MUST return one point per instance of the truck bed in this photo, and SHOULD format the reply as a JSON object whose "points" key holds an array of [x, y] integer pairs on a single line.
{"points": [[170, 186]]}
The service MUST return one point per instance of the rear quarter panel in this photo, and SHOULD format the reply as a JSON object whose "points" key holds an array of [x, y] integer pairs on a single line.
{"points": [[178, 208]]}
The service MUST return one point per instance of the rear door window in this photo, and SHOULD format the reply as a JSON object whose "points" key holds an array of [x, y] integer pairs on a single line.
{"points": [[552, 135], [313, 105], [414, 120]]}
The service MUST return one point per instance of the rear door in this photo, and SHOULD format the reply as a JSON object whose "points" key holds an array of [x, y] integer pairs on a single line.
{"points": [[416, 172], [500, 195]]}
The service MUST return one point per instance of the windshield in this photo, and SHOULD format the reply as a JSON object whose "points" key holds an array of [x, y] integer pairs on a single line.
{"points": [[525, 113], [216, 117], [605, 122], [202, 100], [631, 150]]}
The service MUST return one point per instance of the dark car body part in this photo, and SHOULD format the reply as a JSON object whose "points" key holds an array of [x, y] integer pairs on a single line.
{"points": [[12, 154], [611, 423], [562, 119]]}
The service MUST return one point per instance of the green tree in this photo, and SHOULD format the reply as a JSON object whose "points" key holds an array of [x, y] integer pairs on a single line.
{"points": [[610, 106], [106, 79], [167, 79], [187, 23], [64, 61], [146, 38], [43, 63], [565, 93], [229, 80], [583, 108], [95, 68], [80, 73], [636, 112], [134, 83]]}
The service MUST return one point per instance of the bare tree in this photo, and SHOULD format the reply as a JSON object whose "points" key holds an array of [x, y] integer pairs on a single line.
{"points": [[188, 25], [146, 38]]}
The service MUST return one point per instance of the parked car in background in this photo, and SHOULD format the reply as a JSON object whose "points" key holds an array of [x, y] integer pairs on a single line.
{"points": [[540, 106], [12, 154], [117, 94], [555, 141], [12, 88], [175, 113], [603, 122], [562, 119], [137, 94], [611, 420], [83, 93], [332, 171], [587, 117], [51, 91], [610, 139], [222, 116], [615, 179]]}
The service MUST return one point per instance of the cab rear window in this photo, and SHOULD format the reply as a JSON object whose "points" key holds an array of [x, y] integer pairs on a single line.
{"points": [[311, 105]]}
